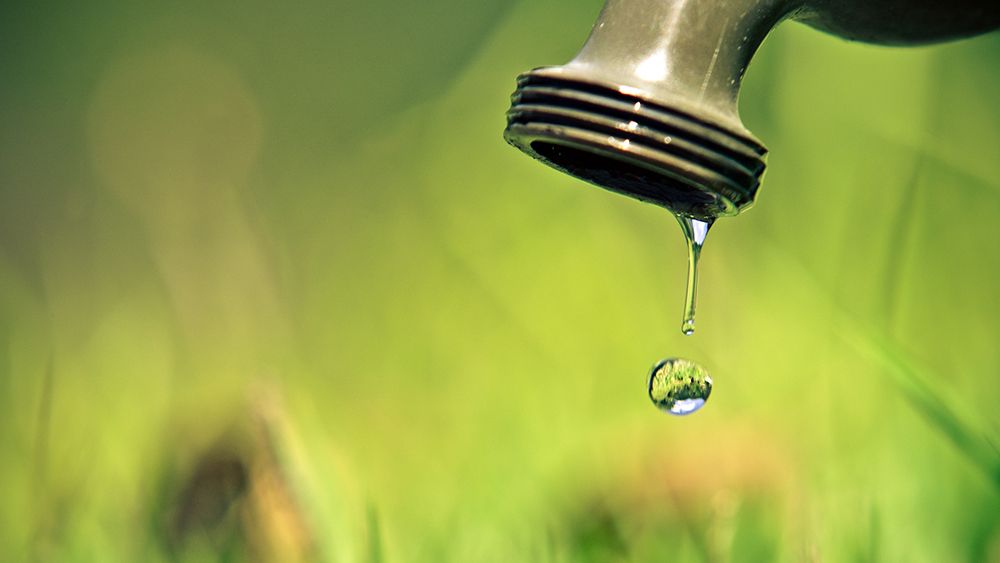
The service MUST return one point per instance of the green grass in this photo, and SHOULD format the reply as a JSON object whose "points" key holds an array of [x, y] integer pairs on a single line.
{"points": [[272, 288]]}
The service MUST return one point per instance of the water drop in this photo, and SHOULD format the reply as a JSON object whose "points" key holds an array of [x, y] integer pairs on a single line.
{"points": [[679, 386], [695, 231]]}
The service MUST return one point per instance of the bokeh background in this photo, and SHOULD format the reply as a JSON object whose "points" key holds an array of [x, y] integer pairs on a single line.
{"points": [[272, 288]]}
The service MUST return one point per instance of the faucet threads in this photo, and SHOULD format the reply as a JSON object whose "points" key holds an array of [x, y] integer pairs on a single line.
{"points": [[620, 140]]}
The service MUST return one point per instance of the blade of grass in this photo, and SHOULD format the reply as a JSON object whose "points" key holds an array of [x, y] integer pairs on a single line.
{"points": [[375, 554], [911, 379], [41, 461]]}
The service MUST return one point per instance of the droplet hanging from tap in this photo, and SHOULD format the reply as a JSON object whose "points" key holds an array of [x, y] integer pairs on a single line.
{"points": [[695, 231]]}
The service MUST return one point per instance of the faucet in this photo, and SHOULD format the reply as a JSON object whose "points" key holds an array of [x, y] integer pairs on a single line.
{"points": [[648, 107]]}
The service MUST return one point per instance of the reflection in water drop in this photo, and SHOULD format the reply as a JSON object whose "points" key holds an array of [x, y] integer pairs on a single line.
{"points": [[679, 386], [695, 232]]}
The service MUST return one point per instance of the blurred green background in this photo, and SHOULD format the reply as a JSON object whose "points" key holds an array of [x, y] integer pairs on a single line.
{"points": [[272, 288]]}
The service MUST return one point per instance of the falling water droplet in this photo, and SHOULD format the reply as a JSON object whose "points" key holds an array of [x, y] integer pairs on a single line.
{"points": [[679, 386], [695, 231]]}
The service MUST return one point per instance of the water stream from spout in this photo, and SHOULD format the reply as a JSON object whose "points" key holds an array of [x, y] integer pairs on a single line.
{"points": [[695, 231]]}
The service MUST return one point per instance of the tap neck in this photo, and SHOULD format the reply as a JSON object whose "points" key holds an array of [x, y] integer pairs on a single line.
{"points": [[691, 53]]}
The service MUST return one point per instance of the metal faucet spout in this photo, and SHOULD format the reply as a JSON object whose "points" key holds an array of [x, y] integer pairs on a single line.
{"points": [[648, 108]]}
